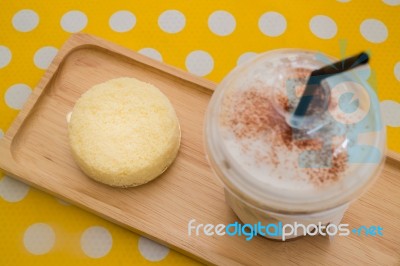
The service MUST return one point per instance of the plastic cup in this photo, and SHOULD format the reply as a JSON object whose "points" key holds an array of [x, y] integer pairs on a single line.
{"points": [[277, 171]]}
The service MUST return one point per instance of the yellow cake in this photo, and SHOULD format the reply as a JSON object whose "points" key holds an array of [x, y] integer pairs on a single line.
{"points": [[124, 132]]}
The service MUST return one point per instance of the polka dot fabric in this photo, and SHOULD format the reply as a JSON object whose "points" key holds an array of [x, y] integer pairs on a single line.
{"points": [[208, 40]]}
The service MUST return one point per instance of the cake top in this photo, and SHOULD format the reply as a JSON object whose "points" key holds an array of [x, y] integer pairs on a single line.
{"points": [[124, 132]]}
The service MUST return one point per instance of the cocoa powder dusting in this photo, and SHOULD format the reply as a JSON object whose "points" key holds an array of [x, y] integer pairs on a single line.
{"points": [[253, 116]]}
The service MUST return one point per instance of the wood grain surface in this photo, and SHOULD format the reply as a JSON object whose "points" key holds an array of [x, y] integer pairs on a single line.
{"points": [[35, 150]]}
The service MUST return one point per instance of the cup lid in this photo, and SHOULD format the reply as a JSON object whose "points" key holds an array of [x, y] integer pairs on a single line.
{"points": [[271, 162]]}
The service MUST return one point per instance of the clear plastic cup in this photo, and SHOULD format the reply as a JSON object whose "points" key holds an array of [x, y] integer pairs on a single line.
{"points": [[279, 169]]}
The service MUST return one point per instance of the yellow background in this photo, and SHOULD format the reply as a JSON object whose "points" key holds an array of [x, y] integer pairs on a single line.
{"points": [[68, 221]]}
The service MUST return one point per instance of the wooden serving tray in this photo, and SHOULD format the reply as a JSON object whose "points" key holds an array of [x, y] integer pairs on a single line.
{"points": [[35, 150]]}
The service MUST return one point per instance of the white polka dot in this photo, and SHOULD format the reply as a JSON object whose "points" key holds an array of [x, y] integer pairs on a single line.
{"points": [[13, 190], [397, 71], [122, 21], [1, 133], [96, 242], [344, 1], [44, 56], [151, 250], [374, 30], [221, 23], [17, 95], [323, 27], [74, 21], [392, 2], [25, 20], [391, 113], [152, 53], [5, 56], [245, 57], [272, 24], [39, 238], [172, 21], [199, 63]]}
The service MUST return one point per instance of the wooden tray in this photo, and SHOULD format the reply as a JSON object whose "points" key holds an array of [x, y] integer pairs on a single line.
{"points": [[35, 150]]}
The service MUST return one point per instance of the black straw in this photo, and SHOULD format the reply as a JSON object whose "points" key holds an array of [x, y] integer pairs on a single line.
{"points": [[318, 75]]}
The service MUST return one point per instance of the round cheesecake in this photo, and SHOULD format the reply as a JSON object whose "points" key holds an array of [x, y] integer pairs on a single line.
{"points": [[124, 132]]}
